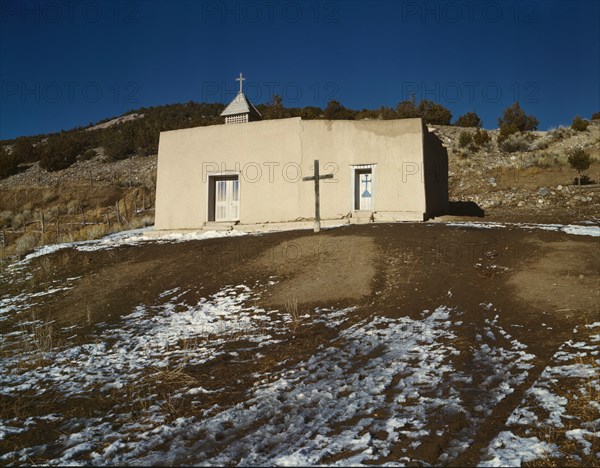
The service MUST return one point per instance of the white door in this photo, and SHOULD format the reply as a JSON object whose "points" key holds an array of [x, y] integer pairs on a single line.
{"points": [[364, 189], [227, 199]]}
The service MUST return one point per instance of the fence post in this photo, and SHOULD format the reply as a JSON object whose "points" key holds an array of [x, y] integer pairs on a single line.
{"points": [[42, 227], [125, 208]]}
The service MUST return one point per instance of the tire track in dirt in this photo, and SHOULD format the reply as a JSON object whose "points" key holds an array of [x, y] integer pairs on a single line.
{"points": [[561, 273], [515, 269]]}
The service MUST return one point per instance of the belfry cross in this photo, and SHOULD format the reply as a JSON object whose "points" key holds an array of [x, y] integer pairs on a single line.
{"points": [[240, 79], [316, 179]]}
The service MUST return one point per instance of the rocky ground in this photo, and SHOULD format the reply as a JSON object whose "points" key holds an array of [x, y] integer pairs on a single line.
{"points": [[128, 172], [536, 184]]}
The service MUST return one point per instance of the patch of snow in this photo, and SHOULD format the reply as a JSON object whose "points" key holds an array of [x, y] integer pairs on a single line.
{"points": [[150, 336], [541, 405], [508, 449], [476, 225], [132, 237], [574, 229]]}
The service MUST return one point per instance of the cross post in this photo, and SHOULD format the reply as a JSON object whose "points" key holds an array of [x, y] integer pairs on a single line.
{"points": [[316, 177]]}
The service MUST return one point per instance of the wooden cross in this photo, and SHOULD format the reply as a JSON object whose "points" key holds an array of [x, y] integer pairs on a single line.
{"points": [[316, 179], [240, 79]]}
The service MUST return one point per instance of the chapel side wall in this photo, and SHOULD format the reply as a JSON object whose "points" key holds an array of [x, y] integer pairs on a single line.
{"points": [[436, 175], [394, 146]]}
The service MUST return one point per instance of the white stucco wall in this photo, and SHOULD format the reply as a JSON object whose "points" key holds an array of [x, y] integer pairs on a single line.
{"points": [[272, 156]]}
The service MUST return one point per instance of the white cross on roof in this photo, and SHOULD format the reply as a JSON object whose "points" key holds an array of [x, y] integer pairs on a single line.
{"points": [[240, 79]]}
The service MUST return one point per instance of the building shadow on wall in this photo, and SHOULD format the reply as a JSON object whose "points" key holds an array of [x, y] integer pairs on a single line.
{"points": [[465, 208]]}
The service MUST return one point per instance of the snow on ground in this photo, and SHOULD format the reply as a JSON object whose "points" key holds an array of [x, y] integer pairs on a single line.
{"points": [[381, 384], [574, 366], [149, 336], [132, 237], [574, 229], [380, 390], [11, 305], [298, 407], [326, 406], [508, 449]]}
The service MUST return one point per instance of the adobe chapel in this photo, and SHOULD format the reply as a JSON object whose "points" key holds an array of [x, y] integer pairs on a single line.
{"points": [[248, 172]]}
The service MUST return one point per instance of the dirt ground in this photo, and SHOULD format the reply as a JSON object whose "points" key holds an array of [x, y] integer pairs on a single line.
{"points": [[544, 284]]}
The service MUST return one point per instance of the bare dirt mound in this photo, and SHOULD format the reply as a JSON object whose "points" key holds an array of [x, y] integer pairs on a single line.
{"points": [[561, 278], [321, 270]]}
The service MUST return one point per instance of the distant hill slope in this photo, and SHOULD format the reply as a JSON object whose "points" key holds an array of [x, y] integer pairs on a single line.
{"points": [[115, 121], [135, 133]]}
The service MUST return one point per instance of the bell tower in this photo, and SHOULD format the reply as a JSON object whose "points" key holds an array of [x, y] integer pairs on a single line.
{"points": [[240, 110]]}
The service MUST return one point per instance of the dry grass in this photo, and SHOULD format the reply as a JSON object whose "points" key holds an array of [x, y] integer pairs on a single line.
{"points": [[142, 222], [72, 214], [44, 270], [560, 133], [41, 337], [548, 159], [94, 231], [26, 243], [6, 218], [291, 307]]}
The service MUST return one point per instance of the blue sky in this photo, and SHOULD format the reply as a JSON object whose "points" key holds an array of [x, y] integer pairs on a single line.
{"points": [[66, 64]]}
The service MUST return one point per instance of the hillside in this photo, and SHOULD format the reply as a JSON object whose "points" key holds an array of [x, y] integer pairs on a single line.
{"points": [[111, 187], [417, 344], [531, 183]]}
